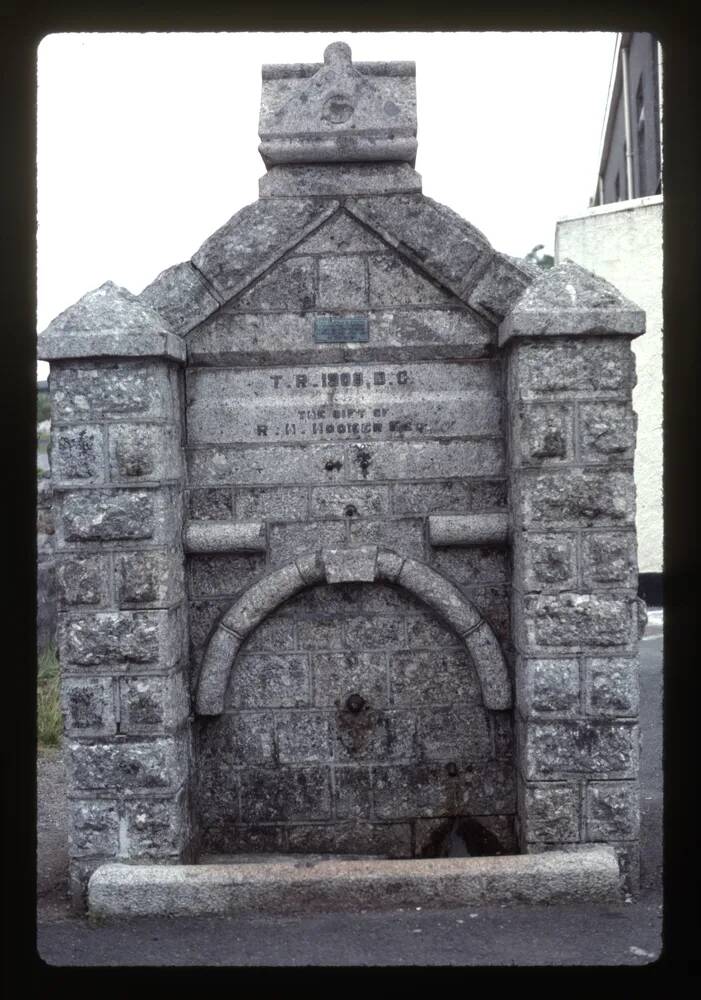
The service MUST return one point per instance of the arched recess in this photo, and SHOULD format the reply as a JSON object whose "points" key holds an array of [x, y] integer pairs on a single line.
{"points": [[344, 565]]}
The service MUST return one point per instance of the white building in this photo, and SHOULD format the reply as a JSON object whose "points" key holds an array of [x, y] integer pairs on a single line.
{"points": [[621, 240]]}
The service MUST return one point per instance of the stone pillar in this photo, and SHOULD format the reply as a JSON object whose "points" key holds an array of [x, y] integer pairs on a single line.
{"points": [[122, 636], [575, 612]]}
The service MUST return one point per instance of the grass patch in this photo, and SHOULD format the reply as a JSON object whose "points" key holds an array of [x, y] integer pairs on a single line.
{"points": [[49, 717]]}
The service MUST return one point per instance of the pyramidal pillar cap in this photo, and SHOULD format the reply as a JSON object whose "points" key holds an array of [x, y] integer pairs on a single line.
{"points": [[338, 111]]}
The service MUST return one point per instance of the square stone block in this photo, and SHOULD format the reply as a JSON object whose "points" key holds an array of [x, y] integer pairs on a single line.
{"points": [[128, 765], [393, 282], [77, 454], [153, 704], [110, 390], [609, 559], [260, 503], [88, 705], [82, 580], [373, 632], [266, 680], [549, 561], [574, 367], [303, 737], [429, 632], [455, 733], [577, 747], [312, 635], [273, 635], [338, 675], [437, 459], [607, 431], [236, 739], [576, 497], [545, 434], [579, 621], [102, 516], [471, 565], [93, 827], [438, 677], [548, 687], [149, 577], [156, 827], [389, 840], [288, 285], [404, 536], [374, 736], [223, 573], [613, 810], [454, 496], [551, 811], [216, 504], [289, 794], [289, 541], [121, 638], [349, 501], [144, 452], [412, 790], [342, 283], [612, 686]]}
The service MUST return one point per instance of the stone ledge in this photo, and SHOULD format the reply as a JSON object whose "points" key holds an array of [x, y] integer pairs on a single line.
{"points": [[225, 536], [109, 322], [582, 875], [571, 301], [338, 179], [111, 345], [471, 529]]}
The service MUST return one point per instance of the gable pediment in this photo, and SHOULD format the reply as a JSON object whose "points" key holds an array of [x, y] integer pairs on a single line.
{"points": [[417, 252]]}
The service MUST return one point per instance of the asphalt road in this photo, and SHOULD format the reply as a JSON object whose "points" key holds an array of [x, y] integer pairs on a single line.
{"points": [[625, 933]]}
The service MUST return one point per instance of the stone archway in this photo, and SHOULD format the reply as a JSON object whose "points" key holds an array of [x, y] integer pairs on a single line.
{"points": [[345, 565]]}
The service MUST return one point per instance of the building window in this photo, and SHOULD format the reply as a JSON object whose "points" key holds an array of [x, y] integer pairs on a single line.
{"points": [[617, 188]]}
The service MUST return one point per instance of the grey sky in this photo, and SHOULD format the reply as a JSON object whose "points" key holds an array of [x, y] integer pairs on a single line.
{"points": [[148, 143]]}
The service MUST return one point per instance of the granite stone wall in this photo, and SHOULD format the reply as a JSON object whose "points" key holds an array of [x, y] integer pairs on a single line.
{"points": [[358, 450]]}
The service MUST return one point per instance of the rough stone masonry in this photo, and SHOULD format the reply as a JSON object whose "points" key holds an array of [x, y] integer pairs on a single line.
{"points": [[345, 523]]}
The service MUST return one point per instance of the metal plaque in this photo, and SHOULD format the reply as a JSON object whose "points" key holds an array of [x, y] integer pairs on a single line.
{"points": [[341, 330]]}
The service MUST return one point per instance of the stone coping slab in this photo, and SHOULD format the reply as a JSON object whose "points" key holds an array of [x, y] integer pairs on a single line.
{"points": [[468, 529], [225, 536], [584, 874]]}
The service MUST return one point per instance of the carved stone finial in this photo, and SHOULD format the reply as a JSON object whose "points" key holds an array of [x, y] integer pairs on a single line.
{"points": [[338, 111], [338, 53]]}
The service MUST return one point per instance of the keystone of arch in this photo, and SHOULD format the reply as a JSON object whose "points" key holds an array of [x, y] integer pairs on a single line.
{"points": [[364, 563]]}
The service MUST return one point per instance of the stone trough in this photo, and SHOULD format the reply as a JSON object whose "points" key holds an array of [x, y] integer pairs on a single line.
{"points": [[308, 885]]}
